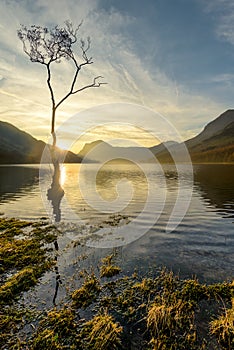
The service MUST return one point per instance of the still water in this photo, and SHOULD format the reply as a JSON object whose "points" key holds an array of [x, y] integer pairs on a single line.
{"points": [[202, 244]]}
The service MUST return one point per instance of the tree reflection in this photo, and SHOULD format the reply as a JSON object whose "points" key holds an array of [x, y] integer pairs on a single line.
{"points": [[55, 194]]}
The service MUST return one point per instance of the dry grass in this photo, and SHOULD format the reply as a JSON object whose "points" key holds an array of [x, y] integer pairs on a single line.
{"points": [[102, 333], [168, 317], [87, 293], [223, 328], [160, 313]]}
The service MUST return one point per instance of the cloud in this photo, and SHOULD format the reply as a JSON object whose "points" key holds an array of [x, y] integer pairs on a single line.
{"points": [[24, 92], [223, 13]]}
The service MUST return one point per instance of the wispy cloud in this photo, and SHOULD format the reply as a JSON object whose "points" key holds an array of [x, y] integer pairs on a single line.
{"points": [[24, 95], [223, 12]]}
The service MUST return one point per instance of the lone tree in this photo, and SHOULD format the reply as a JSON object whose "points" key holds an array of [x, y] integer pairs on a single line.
{"points": [[48, 46]]}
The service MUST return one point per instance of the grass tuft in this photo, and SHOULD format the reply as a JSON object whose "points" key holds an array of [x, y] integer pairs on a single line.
{"points": [[223, 328], [102, 333], [107, 269], [87, 293]]}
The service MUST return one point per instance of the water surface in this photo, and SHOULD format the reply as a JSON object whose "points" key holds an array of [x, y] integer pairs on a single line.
{"points": [[202, 245]]}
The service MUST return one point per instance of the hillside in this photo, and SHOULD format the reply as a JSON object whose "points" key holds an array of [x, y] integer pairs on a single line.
{"points": [[17, 146], [100, 151], [215, 143]]}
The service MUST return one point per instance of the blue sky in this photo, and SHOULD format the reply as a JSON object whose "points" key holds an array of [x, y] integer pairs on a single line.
{"points": [[173, 56]]}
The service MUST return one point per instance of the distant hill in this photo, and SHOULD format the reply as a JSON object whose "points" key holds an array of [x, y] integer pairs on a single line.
{"points": [[216, 128], [100, 151], [17, 146], [215, 143]]}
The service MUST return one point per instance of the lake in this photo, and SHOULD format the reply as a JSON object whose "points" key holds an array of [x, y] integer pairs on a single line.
{"points": [[201, 245]]}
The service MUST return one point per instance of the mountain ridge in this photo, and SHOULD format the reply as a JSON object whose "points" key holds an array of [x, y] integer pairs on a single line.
{"points": [[18, 146], [215, 143]]}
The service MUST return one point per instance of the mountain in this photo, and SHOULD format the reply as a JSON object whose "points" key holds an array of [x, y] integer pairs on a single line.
{"points": [[100, 151], [215, 143], [216, 128], [163, 147], [17, 146]]}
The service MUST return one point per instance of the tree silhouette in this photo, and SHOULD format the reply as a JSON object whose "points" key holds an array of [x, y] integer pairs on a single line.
{"points": [[47, 46]]}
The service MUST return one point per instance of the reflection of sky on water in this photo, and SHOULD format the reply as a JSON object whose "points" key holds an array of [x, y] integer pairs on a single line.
{"points": [[202, 244], [19, 186]]}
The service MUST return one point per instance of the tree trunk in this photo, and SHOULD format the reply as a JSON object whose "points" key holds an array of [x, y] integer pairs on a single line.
{"points": [[52, 126], [55, 193]]}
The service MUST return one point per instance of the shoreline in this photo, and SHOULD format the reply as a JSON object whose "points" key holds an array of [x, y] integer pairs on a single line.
{"points": [[106, 302]]}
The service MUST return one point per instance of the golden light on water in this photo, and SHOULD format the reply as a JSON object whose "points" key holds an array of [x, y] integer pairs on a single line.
{"points": [[62, 175]]}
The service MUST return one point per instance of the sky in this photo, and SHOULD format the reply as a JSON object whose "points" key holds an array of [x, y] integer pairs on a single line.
{"points": [[174, 57]]}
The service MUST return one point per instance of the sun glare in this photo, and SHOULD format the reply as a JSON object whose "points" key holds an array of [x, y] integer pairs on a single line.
{"points": [[62, 175], [117, 135]]}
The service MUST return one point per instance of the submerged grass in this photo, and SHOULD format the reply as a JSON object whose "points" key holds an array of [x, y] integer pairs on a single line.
{"points": [[124, 312], [87, 293], [24, 258], [107, 269]]}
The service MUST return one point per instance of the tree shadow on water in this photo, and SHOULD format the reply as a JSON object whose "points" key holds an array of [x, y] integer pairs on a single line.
{"points": [[55, 194]]}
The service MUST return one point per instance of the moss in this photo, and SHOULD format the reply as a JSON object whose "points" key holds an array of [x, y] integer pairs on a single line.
{"points": [[26, 257], [223, 290], [13, 225], [107, 269], [145, 286], [170, 318], [164, 312], [223, 328], [19, 253], [48, 340], [58, 330], [88, 292], [21, 281], [62, 322], [46, 234], [9, 320], [194, 291]]}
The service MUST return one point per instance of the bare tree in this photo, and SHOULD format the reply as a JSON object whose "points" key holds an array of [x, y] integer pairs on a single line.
{"points": [[46, 46]]}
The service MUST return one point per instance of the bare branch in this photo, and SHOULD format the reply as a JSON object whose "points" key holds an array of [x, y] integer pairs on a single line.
{"points": [[71, 89], [49, 84], [94, 84], [71, 30], [71, 92], [45, 46]]}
